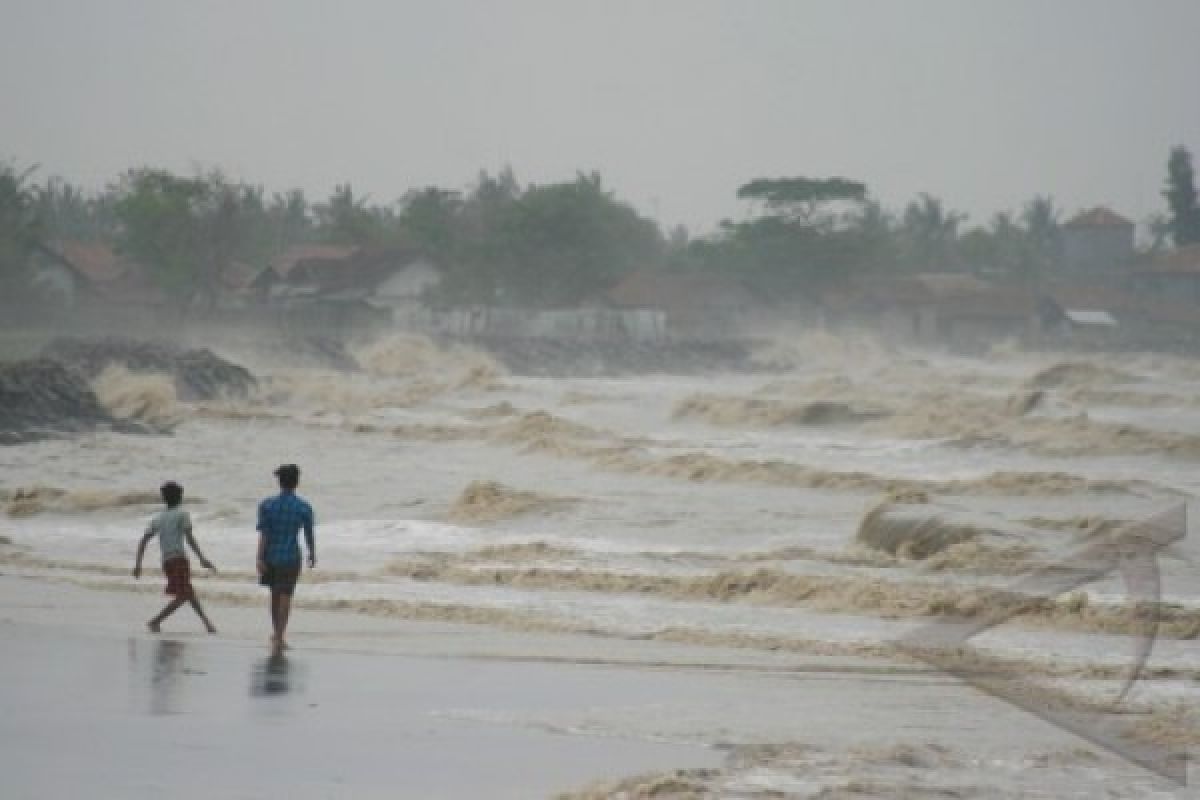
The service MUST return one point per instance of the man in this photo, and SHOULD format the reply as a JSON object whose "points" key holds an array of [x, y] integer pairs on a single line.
{"points": [[280, 519]]}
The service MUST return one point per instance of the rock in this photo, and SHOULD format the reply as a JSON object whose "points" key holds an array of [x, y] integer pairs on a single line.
{"points": [[41, 398], [198, 374]]}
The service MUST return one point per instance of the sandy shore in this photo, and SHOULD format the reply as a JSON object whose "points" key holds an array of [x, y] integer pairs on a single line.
{"points": [[365, 707]]}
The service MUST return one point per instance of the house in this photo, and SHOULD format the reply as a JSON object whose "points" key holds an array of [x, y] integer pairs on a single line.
{"points": [[245, 285], [1173, 275], [949, 308], [1097, 241], [403, 289], [83, 273], [694, 304], [348, 282]]}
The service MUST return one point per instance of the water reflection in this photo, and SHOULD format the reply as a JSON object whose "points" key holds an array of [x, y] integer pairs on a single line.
{"points": [[274, 676], [165, 668]]}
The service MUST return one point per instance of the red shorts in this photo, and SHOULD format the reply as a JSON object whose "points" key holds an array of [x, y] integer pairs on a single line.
{"points": [[179, 577]]}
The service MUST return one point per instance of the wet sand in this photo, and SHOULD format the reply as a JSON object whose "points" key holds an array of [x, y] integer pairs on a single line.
{"points": [[365, 707]]}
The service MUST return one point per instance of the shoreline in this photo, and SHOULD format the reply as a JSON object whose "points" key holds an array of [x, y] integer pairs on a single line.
{"points": [[373, 707]]}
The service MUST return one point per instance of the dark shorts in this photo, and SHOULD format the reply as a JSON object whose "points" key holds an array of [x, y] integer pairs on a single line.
{"points": [[179, 577], [280, 577]]}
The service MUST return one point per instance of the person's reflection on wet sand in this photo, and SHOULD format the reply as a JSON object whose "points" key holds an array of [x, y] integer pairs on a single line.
{"points": [[165, 676], [272, 676]]}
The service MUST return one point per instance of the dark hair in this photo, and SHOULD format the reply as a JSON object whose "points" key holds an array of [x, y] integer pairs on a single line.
{"points": [[172, 493], [289, 476]]}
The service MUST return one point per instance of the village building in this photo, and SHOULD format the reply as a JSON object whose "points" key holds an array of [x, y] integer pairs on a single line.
{"points": [[344, 284], [954, 309], [1172, 275], [93, 274], [1097, 242], [694, 305]]}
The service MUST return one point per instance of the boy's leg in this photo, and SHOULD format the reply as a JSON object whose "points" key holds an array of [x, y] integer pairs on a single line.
{"points": [[208, 626], [167, 611]]}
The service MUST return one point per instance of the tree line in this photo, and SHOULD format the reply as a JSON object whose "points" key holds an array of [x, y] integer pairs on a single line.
{"points": [[538, 245]]}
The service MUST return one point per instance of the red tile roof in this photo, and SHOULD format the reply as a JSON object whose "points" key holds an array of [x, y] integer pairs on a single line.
{"points": [[108, 274], [95, 261], [678, 291], [286, 261], [1098, 217], [1184, 259]]}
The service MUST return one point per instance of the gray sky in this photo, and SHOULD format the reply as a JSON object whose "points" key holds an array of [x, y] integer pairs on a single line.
{"points": [[676, 103]]}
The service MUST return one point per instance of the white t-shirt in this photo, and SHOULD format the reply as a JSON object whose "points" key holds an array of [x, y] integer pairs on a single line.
{"points": [[170, 525]]}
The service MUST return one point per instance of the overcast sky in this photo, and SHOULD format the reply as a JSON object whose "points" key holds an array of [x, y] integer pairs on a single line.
{"points": [[675, 103]]}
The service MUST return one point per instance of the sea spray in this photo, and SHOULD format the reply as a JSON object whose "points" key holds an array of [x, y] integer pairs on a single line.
{"points": [[148, 398]]}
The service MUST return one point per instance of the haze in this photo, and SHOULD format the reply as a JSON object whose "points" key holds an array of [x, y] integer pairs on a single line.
{"points": [[676, 104]]}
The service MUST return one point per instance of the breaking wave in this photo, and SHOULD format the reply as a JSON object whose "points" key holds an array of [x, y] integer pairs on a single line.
{"points": [[1077, 374], [402, 356], [727, 410], [489, 501], [855, 594], [149, 398], [27, 502]]}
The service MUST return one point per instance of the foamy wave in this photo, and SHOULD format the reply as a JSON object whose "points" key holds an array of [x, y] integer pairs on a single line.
{"points": [[34, 500], [944, 539], [756, 411], [1078, 373], [141, 397], [835, 594], [401, 356], [489, 501], [817, 347]]}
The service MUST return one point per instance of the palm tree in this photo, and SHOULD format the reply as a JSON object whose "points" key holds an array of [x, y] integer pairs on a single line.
{"points": [[931, 234], [20, 228]]}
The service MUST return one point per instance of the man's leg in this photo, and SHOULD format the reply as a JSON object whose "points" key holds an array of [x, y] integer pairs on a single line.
{"points": [[275, 595], [208, 626], [167, 611], [285, 609]]}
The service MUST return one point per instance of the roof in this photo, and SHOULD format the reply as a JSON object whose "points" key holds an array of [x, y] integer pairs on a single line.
{"points": [[108, 274], [286, 261], [952, 295], [240, 276], [673, 290], [1111, 296], [327, 270], [1184, 259], [1090, 318], [95, 261], [1098, 217]]}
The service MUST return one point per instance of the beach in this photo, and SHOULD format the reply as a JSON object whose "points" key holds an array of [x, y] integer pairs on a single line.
{"points": [[616, 586]]}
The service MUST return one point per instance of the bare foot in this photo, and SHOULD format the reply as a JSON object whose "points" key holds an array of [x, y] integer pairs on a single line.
{"points": [[152, 626]]}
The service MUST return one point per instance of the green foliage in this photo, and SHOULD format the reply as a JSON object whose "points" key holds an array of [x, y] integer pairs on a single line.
{"points": [[347, 219], [68, 212], [929, 236], [429, 219], [813, 233], [188, 231], [1180, 193], [550, 245], [20, 230], [803, 199]]}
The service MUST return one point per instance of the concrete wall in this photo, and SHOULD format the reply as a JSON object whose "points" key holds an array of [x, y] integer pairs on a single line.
{"points": [[584, 324], [1105, 248]]}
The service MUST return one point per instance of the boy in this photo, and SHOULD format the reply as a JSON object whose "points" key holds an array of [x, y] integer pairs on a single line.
{"points": [[280, 520], [173, 527]]}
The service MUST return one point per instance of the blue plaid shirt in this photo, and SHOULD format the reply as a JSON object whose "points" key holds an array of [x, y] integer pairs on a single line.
{"points": [[280, 518]]}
